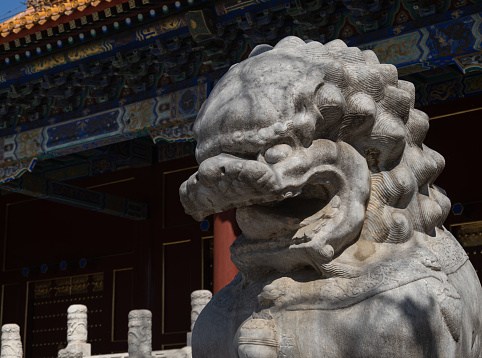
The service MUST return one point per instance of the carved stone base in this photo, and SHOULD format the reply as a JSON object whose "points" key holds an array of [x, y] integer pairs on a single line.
{"points": [[409, 303], [64, 353], [84, 348]]}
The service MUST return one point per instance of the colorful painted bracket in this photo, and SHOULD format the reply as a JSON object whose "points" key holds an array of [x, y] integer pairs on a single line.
{"points": [[448, 90], [15, 170], [177, 133], [469, 63]]}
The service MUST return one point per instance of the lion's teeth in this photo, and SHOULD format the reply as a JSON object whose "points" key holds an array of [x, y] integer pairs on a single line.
{"points": [[287, 195]]}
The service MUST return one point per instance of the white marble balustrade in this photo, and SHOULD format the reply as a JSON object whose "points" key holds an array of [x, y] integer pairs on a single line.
{"points": [[139, 336]]}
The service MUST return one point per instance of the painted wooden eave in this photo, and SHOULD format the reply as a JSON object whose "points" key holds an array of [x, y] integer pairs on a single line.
{"points": [[31, 20]]}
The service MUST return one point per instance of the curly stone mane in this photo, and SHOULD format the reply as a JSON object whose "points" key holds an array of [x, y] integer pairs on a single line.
{"points": [[342, 251], [363, 103]]}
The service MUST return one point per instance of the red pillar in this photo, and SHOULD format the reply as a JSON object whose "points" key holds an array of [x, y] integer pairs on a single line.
{"points": [[225, 232]]}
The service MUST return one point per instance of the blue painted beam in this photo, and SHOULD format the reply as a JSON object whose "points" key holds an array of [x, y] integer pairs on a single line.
{"points": [[431, 46]]}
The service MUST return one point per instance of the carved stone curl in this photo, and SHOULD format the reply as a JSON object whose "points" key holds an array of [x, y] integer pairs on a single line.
{"points": [[258, 337], [11, 346], [320, 149], [140, 333], [77, 324], [76, 332]]}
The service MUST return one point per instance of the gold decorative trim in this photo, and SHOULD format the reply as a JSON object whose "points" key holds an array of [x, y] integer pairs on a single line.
{"points": [[180, 170], [163, 288], [163, 305], [456, 113], [164, 190], [175, 242], [202, 259], [110, 183], [473, 228], [26, 317], [27, 297], [113, 304], [479, 222]]}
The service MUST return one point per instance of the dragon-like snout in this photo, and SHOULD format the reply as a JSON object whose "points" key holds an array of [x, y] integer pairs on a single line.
{"points": [[225, 181]]}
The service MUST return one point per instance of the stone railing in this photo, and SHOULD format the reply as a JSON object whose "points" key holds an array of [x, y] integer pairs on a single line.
{"points": [[139, 337], [11, 346]]}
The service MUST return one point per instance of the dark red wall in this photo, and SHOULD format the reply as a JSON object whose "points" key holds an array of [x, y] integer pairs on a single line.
{"points": [[153, 264], [458, 138], [157, 263]]}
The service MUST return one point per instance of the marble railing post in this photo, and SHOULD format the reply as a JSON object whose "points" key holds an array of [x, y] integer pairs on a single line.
{"points": [[76, 333], [11, 346], [199, 299], [140, 334]]}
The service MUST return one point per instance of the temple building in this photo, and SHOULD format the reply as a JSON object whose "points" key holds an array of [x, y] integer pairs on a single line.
{"points": [[97, 104]]}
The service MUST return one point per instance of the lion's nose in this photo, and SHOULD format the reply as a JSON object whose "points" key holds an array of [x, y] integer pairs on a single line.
{"points": [[224, 168], [210, 173]]}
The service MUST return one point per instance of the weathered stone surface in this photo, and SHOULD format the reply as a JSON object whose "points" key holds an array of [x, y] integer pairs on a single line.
{"points": [[77, 324], [11, 344], [185, 352], [343, 253], [65, 353], [199, 300], [77, 332], [140, 334]]}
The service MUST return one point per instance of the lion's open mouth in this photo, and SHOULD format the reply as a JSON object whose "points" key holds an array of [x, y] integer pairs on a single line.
{"points": [[311, 204], [270, 228], [300, 207]]}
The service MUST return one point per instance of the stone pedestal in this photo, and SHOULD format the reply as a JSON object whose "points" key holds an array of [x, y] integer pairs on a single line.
{"points": [[65, 353], [140, 334], [11, 346], [185, 352]]}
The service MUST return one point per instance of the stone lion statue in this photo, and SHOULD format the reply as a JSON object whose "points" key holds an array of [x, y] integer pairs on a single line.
{"points": [[343, 252]]}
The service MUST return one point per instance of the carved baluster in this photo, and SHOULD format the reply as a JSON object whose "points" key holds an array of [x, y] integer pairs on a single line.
{"points": [[76, 333], [199, 299], [11, 343], [77, 324], [140, 333]]}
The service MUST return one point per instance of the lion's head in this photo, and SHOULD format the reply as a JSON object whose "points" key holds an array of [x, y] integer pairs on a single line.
{"points": [[318, 146]]}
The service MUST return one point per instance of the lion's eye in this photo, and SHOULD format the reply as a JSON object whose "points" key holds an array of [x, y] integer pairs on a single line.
{"points": [[277, 153]]}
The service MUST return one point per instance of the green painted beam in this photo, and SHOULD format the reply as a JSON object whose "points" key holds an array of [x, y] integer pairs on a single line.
{"points": [[33, 185]]}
